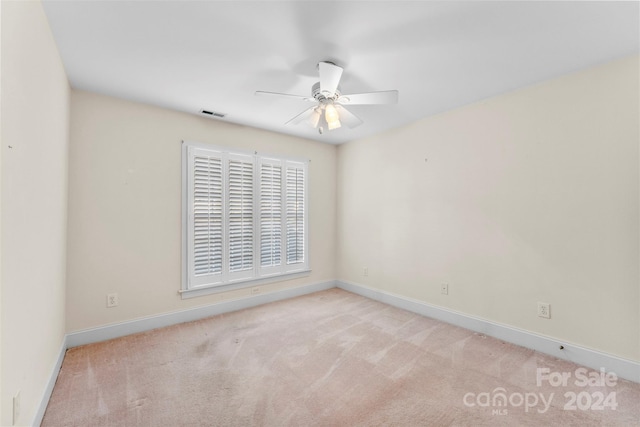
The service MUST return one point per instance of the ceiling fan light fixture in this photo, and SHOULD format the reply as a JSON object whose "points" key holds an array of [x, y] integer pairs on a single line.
{"points": [[315, 117], [333, 125], [332, 117], [329, 112]]}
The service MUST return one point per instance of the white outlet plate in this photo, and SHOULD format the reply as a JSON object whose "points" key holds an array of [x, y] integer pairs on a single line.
{"points": [[544, 310], [112, 300], [365, 271], [444, 289], [16, 408]]}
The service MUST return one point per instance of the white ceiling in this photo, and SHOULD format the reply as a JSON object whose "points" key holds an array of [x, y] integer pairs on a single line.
{"points": [[193, 55]]}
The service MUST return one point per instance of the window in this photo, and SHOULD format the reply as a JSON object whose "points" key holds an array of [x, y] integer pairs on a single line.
{"points": [[245, 218]]}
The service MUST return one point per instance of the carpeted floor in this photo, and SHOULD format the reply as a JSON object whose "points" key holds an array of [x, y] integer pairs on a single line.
{"points": [[327, 359]]}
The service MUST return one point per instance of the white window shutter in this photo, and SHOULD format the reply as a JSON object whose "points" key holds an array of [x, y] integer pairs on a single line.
{"points": [[240, 215], [295, 213], [206, 211], [270, 184], [245, 217]]}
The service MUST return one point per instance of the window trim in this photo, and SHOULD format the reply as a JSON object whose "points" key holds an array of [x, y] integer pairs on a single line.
{"points": [[256, 278]]}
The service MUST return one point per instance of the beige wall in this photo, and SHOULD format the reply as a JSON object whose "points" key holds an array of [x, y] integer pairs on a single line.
{"points": [[125, 206], [526, 197], [35, 117]]}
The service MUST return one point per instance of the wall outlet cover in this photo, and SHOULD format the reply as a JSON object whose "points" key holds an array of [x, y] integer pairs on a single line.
{"points": [[544, 310], [112, 300]]}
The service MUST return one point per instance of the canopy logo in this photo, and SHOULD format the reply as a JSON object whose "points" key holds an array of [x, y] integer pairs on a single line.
{"points": [[499, 400]]}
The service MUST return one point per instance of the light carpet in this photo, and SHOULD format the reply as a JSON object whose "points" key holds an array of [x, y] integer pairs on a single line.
{"points": [[326, 359]]}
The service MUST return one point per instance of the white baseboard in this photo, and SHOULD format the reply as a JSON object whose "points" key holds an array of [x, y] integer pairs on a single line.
{"points": [[121, 329], [594, 359], [46, 395]]}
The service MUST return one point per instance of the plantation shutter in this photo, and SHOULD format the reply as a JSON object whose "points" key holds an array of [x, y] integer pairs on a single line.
{"points": [[206, 204], [240, 214], [270, 216], [245, 218], [295, 217]]}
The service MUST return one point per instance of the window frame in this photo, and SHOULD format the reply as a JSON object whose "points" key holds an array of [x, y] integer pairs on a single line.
{"points": [[259, 275]]}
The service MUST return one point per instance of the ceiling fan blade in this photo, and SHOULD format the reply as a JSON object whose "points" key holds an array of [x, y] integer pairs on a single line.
{"points": [[384, 97], [329, 78], [284, 95], [302, 116], [347, 117]]}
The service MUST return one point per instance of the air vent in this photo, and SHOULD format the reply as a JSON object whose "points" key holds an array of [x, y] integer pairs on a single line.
{"points": [[212, 114]]}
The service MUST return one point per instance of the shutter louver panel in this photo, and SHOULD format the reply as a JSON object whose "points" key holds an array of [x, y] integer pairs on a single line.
{"points": [[207, 216], [295, 215], [240, 205], [270, 215]]}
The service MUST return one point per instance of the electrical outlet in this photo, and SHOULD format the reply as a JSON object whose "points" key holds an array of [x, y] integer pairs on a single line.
{"points": [[544, 310], [255, 291], [112, 300], [16, 408], [444, 289], [365, 271]]}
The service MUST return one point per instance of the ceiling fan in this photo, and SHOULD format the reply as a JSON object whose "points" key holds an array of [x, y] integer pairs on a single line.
{"points": [[329, 110]]}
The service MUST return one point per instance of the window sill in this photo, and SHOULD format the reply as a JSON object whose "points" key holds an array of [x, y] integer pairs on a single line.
{"points": [[216, 289]]}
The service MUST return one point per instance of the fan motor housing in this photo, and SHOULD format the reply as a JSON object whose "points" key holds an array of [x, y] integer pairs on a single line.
{"points": [[320, 97]]}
